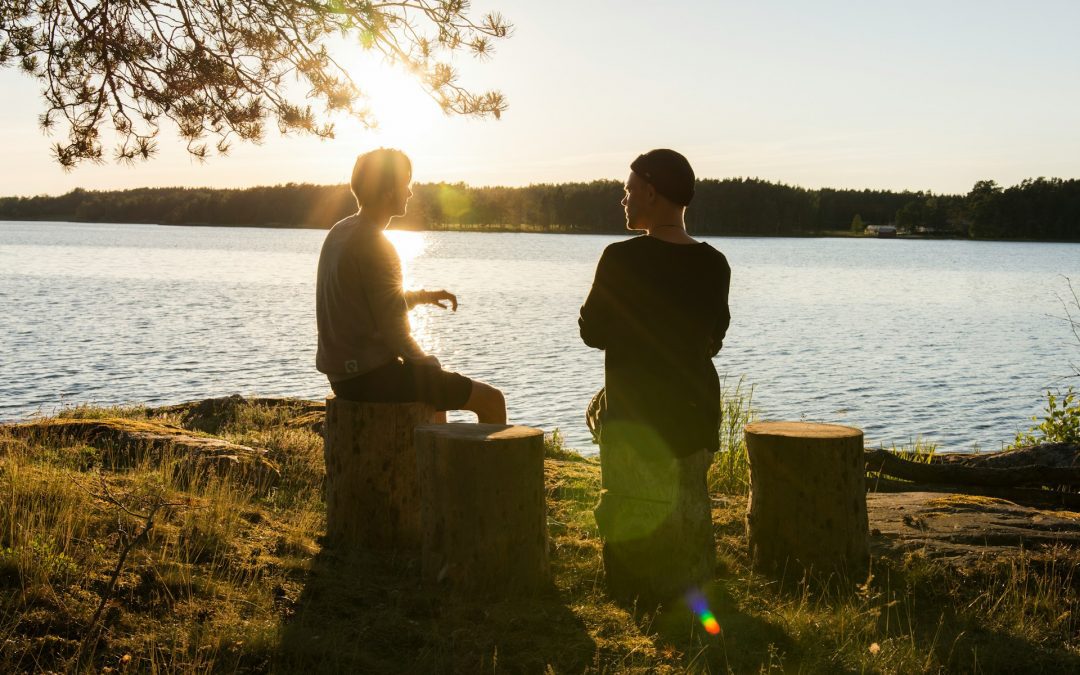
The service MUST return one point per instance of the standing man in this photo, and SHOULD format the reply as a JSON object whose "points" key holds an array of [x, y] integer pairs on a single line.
{"points": [[659, 309]]}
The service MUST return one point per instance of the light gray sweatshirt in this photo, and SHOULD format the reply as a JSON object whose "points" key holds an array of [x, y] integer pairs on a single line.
{"points": [[360, 305]]}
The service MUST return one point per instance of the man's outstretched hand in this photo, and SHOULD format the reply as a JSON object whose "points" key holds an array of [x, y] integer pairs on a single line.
{"points": [[440, 298]]}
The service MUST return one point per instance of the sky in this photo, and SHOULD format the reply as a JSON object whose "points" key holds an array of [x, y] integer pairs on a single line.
{"points": [[902, 96]]}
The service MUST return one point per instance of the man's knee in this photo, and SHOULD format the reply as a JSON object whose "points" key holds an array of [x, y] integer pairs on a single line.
{"points": [[493, 399], [487, 402], [481, 391], [497, 398]]}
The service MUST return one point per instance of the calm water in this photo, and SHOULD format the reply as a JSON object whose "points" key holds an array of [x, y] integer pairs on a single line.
{"points": [[951, 341]]}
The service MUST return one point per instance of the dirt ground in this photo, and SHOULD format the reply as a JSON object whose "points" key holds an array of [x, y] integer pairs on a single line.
{"points": [[951, 526]]}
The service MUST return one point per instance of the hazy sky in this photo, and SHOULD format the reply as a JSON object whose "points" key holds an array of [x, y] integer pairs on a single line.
{"points": [[913, 95]]}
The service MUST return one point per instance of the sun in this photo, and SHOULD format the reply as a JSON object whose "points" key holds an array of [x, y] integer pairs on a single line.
{"points": [[404, 112]]}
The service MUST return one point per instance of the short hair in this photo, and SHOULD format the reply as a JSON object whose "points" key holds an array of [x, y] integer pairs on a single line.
{"points": [[376, 172]]}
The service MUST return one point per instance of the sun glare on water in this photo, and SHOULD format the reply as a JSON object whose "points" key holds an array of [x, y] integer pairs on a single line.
{"points": [[409, 246]]}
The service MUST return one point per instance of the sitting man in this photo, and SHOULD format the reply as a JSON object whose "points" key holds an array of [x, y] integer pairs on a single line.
{"points": [[365, 347], [659, 309]]}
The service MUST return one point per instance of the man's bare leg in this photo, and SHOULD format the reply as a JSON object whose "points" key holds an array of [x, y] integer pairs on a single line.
{"points": [[487, 402]]}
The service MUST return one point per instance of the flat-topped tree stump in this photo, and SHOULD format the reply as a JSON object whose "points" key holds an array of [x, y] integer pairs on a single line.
{"points": [[483, 519], [372, 495], [807, 511]]}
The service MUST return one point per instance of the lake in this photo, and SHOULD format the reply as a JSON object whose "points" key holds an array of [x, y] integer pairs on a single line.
{"points": [[953, 342]]}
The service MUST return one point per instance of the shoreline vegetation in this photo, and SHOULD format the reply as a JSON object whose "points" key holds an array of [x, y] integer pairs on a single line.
{"points": [[1041, 209], [123, 556]]}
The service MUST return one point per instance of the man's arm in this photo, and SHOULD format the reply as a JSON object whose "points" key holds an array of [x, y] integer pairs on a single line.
{"points": [[594, 320], [389, 304], [437, 298], [723, 311]]}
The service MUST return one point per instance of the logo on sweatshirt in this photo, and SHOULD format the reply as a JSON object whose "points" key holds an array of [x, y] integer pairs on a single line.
{"points": [[351, 366]]}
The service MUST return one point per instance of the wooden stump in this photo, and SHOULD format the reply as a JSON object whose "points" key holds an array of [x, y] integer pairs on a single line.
{"points": [[484, 524], [807, 511], [372, 495]]}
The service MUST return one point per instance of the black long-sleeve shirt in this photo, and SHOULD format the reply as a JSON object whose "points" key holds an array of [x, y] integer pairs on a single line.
{"points": [[660, 312]]}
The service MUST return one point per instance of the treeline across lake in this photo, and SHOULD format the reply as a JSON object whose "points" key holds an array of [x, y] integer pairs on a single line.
{"points": [[1042, 208]]}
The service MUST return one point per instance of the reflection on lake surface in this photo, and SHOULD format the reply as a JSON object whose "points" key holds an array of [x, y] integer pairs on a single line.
{"points": [[951, 341]]}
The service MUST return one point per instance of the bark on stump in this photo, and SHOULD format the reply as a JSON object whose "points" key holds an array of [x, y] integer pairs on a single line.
{"points": [[372, 494], [807, 512], [484, 523]]}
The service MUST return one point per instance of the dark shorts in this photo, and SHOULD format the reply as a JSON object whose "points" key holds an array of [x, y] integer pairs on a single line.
{"points": [[398, 382]]}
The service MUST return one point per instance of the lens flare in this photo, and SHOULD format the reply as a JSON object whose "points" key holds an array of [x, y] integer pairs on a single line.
{"points": [[700, 606]]}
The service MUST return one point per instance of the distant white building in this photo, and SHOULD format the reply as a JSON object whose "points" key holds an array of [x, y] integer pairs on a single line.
{"points": [[881, 231]]}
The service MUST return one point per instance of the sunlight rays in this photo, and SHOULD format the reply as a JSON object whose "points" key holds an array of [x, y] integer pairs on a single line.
{"points": [[410, 246], [405, 114]]}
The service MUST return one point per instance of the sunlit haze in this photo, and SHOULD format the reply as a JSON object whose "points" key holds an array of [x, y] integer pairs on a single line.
{"points": [[915, 95], [408, 245]]}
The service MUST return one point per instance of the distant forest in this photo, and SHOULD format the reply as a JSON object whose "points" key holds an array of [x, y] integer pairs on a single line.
{"points": [[1039, 209]]}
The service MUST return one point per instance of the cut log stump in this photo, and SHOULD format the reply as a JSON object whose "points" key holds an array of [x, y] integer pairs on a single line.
{"points": [[484, 525], [807, 511], [372, 494]]}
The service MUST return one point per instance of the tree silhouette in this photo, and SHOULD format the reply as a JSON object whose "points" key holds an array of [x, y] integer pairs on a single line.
{"points": [[221, 69], [1037, 209], [857, 225]]}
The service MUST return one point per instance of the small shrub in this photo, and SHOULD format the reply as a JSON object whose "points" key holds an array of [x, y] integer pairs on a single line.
{"points": [[555, 448], [1060, 425], [38, 561]]}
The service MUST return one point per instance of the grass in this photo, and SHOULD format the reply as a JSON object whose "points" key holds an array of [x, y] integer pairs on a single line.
{"points": [[918, 450], [229, 578], [730, 471]]}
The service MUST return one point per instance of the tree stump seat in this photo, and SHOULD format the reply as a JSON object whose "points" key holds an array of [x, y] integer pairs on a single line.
{"points": [[372, 494], [483, 517], [807, 510]]}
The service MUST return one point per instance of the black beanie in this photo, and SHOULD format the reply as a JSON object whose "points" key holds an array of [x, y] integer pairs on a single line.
{"points": [[668, 172]]}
